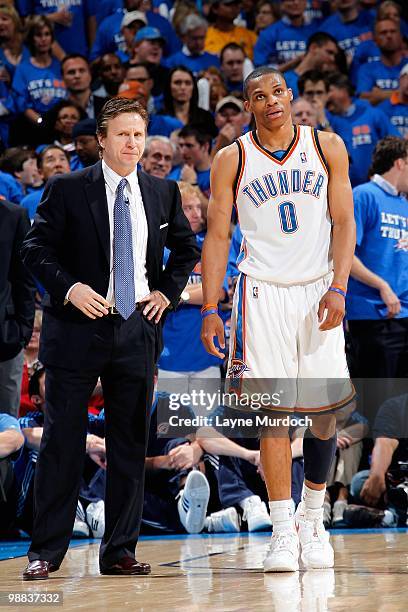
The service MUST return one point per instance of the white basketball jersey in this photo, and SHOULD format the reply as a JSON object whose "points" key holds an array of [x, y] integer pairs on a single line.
{"points": [[283, 210]]}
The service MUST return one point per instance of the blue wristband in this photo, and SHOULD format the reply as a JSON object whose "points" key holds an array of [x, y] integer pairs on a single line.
{"points": [[209, 312], [343, 293]]}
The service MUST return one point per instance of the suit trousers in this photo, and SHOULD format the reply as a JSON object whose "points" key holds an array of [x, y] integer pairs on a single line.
{"points": [[122, 354]]}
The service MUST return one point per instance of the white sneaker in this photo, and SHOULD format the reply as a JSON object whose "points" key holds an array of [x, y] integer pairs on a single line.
{"points": [[223, 521], [338, 511], [316, 550], [95, 515], [327, 514], [283, 555], [81, 529], [193, 502], [256, 514]]}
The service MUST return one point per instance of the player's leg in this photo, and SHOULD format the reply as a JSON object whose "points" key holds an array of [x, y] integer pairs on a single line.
{"points": [[276, 458]]}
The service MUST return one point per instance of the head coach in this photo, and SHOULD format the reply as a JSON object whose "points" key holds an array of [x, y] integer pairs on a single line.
{"points": [[96, 246]]}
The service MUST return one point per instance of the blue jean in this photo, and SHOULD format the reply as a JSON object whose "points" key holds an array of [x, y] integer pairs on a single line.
{"points": [[357, 484]]}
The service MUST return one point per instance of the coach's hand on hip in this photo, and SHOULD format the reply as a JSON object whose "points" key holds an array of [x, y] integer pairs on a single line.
{"points": [[155, 304], [335, 305], [88, 301], [213, 327]]}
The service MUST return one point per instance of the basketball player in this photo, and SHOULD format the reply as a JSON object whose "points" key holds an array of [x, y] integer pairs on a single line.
{"points": [[294, 200]]}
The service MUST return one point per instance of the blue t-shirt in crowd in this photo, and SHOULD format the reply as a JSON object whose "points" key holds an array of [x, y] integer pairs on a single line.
{"points": [[183, 350], [382, 246], [10, 188], [163, 125], [351, 34], [71, 38], [37, 88], [361, 129], [195, 63], [281, 42], [377, 74], [291, 78], [203, 181], [109, 38], [11, 68], [397, 113], [7, 421], [31, 201], [234, 251], [365, 53]]}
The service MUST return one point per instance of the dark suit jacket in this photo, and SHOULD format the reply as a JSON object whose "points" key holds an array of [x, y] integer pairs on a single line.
{"points": [[17, 290], [69, 242]]}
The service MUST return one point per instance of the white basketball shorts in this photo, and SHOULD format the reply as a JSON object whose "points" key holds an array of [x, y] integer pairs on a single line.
{"points": [[276, 346]]}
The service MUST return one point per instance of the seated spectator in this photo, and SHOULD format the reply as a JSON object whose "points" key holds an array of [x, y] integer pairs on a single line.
{"points": [[71, 21], [359, 124], [377, 80], [148, 48], [11, 441], [396, 107], [223, 31], [322, 53], [381, 492], [231, 120], [77, 78], [284, 40], [109, 38], [158, 156], [131, 23], [193, 30], [141, 73], [376, 304], [392, 10], [349, 26], [111, 74], [180, 100], [218, 89], [232, 58], [60, 121], [303, 113], [30, 364], [184, 362], [10, 188], [314, 87], [51, 161], [21, 164], [195, 148], [86, 144], [12, 49], [37, 83], [265, 15]]}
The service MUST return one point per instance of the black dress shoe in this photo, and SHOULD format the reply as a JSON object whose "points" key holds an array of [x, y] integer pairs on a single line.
{"points": [[38, 570], [127, 566]]}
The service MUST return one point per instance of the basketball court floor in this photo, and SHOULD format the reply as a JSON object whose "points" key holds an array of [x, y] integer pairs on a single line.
{"points": [[223, 573]]}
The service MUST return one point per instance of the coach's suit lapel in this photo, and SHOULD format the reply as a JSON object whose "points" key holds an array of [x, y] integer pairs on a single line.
{"points": [[98, 204], [151, 205]]}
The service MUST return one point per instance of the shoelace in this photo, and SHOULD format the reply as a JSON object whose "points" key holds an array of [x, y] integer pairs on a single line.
{"points": [[282, 540]]}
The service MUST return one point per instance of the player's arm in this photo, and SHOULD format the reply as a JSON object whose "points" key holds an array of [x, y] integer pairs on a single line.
{"points": [[216, 244], [344, 227]]}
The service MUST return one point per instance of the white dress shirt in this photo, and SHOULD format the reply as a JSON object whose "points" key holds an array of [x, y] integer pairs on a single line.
{"points": [[139, 229]]}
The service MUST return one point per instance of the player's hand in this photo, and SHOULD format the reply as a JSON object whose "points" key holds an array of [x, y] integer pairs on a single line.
{"points": [[391, 300], [95, 448], [155, 305], [212, 327], [185, 456], [335, 305], [254, 457], [88, 301], [372, 490], [344, 441]]}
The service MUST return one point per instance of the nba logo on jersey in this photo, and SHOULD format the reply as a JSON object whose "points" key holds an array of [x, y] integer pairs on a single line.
{"points": [[255, 292], [303, 157], [237, 368]]}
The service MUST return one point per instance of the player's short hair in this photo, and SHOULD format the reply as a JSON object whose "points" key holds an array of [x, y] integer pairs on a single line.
{"points": [[386, 152], [312, 75], [259, 72]]}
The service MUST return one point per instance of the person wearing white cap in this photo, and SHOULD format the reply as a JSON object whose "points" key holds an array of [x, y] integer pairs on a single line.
{"points": [[132, 22], [377, 80], [231, 120], [396, 107]]}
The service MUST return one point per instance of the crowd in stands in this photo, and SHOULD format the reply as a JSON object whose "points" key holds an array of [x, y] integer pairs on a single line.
{"points": [[346, 62]]}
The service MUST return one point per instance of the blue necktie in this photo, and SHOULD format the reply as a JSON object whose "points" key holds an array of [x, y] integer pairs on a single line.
{"points": [[123, 269]]}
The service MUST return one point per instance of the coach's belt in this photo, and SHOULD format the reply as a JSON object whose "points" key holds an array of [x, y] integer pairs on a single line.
{"points": [[112, 310]]}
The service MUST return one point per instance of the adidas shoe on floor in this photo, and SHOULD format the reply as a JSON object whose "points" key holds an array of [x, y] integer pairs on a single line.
{"points": [[223, 521], [95, 515], [338, 512], [327, 514], [283, 554], [193, 502], [256, 514], [316, 552], [81, 529]]}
